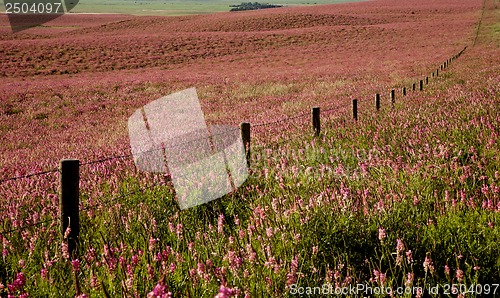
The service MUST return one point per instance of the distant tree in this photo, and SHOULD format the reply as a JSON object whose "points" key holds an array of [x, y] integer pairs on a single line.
{"points": [[252, 6]]}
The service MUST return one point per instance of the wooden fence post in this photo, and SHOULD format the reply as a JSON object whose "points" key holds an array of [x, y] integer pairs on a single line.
{"points": [[404, 91], [414, 87], [421, 85], [427, 80], [315, 112], [355, 109], [437, 72], [393, 97], [377, 101], [69, 203], [245, 136]]}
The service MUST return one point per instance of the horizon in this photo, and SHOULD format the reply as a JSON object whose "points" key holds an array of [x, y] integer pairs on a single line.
{"points": [[176, 8]]}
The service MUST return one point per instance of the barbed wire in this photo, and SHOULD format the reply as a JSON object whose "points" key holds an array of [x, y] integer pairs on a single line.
{"points": [[87, 208], [280, 120], [177, 145], [143, 189], [29, 175], [104, 159], [479, 24], [115, 157], [3, 233], [113, 199], [328, 109]]}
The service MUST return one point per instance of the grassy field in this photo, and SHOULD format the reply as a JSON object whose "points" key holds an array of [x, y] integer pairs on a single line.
{"points": [[407, 197], [172, 8]]}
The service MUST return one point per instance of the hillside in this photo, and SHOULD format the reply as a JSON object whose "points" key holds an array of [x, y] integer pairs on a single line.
{"points": [[313, 47]]}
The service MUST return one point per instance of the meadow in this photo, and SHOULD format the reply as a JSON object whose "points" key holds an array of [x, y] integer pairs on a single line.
{"points": [[404, 197]]}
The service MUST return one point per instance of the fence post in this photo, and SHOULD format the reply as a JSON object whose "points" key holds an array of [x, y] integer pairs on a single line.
{"points": [[413, 87], [245, 136], [355, 109], [437, 72], [404, 91], [69, 202], [377, 101], [426, 80], [421, 85], [393, 97], [315, 112]]}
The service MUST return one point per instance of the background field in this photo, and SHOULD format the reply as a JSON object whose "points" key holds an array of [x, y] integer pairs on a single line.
{"points": [[407, 196], [180, 7]]}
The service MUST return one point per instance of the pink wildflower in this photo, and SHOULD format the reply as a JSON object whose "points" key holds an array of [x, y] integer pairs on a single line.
{"points": [[224, 292], [76, 265], [220, 224], [64, 249], [44, 273], [428, 265], [409, 256], [409, 279], [381, 234], [399, 245], [159, 291]]}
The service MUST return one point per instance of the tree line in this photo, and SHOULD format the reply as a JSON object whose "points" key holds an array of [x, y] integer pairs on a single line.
{"points": [[252, 6]]}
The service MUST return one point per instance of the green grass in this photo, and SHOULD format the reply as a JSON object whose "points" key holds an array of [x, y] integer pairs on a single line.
{"points": [[329, 220]]}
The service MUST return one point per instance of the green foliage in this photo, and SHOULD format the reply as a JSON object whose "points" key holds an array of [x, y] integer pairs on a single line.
{"points": [[252, 6]]}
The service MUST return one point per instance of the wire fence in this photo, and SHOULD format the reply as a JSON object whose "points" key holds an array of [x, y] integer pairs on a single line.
{"points": [[29, 175], [82, 207], [27, 226], [479, 24], [262, 124], [335, 107]]}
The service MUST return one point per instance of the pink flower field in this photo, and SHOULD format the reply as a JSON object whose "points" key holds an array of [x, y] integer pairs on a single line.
{"points": [[405, 198]]}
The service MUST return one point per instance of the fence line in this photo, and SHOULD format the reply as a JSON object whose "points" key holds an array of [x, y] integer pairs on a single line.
{"points": [[104, 159], [101, 160], [3, 233], [69, 204], [81, 208], [29, 175], [113, 199], [281, 120], [479, 24]]}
